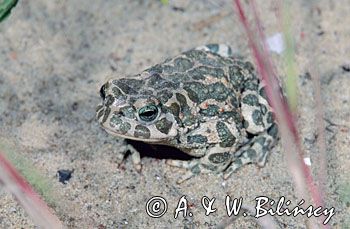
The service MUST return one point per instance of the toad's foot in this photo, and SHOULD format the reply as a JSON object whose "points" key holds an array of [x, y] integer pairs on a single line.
{"points": [[213, 162], [256, 151], [135, 156]]}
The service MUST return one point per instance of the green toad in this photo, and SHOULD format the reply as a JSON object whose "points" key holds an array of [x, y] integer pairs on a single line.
{"points": [[204, 102]]}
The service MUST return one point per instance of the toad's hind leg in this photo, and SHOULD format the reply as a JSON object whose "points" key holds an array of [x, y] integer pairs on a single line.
{"points": [[215, 161], [220, 49], [228, 160], [256, 151]]}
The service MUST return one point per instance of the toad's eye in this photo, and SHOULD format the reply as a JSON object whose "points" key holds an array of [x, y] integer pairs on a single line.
{"points": [[148, 113]]}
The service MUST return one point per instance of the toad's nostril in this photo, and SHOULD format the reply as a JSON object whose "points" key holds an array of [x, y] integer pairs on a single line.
{"points": [[102, 92]]}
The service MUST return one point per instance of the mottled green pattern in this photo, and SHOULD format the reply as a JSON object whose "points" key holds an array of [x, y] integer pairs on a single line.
{"points": [[142, 131], [218, 158], [196, 139], [252, 100], [164, 125], [211, 106], [227, 138]]}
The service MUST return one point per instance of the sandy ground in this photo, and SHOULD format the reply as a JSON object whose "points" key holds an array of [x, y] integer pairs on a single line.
{"points": [[55, 55]]}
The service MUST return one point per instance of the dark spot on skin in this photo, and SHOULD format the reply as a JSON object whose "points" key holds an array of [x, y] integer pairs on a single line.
{"points": [[146, 92], [210, 60], [195, 91], [237, 118], [174, 109], [116, 92], [214, 72], [227, 61], [190, 120], [251, 100], [196, 169], [238, 162], [133, 99], [124, 127], [196, 139], [115, 120], [196, 74], [155, 80], [251, 85], [261, 140], [200, 72], [158, 68], [109, 100], [262, 93], [249, 66], [269, 117], [177, 77], [257, 117], [183, 103], [164, 96], [164, 109], [226, 137], [169, 85], [195, 54], [235, 76], [107, 111], [211, 111], [199, 92], [251, 153], [182, 64], [246, 124], [142, 131], [128, 112], [129, 86], [98, 107], [218, 158], [263, 108], [164, 125], [234, 102], [100, 113], [273, 131], [168, 69], [218, 91]]}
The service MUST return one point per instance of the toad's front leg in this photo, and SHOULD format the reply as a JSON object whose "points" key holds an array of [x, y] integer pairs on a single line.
{"points": [[135, 155]]}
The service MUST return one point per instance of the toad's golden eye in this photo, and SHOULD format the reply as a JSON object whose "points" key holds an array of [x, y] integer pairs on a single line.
{"points": [[148, 113]]}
